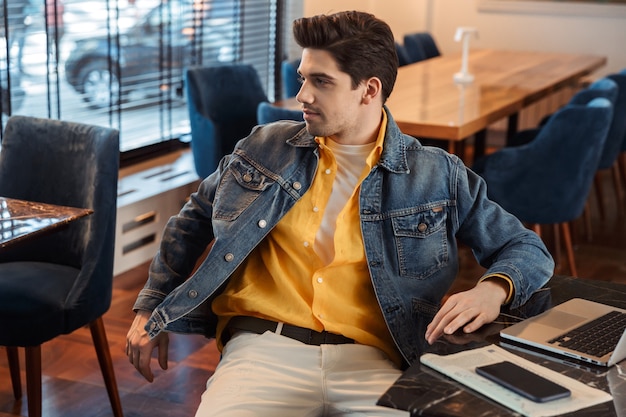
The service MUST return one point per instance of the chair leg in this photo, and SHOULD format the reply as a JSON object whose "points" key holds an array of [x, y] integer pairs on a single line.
{"points": [[13, 358], [621, 161], [597, 181], [101, 344], [555, 248], [536, 228], [567, 238], [33, 380], [618, 187], [587, 221]]}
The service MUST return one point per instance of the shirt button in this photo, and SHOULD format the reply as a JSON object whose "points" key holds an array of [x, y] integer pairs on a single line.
{"points": [[192, 293], [229, 257], [316, 209], [297, 185], [262, 224], [328, 171], [306, 244], [247, 177], [320, 280], [422, 227]]}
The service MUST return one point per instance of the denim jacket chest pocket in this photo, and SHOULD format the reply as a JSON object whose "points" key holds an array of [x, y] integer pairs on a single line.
{"points": [[244, 183], [421, 242]]}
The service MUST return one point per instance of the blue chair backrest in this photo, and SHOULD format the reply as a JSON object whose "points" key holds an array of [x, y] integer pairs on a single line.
{"points": [[623, 73], [222, 102], [619, 114], [414, 48], [403, 56], [603, 87], [267, 113], [420, 46], [609, 89], [548, 180], [290, 79]]}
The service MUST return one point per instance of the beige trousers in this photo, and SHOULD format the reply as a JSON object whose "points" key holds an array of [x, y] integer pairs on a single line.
{"points": [[274, 376]]}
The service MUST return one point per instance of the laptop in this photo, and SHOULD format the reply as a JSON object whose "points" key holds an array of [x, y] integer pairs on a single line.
{"points": [[566, 328]]}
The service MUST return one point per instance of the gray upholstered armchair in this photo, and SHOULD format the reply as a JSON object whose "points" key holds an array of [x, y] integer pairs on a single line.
{"points": [[62, 281]]}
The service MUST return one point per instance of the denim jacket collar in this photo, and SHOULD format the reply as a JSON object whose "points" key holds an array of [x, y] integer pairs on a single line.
{"points": [[393, 158]]}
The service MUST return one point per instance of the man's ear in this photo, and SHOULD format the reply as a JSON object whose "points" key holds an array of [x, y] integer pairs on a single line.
{"points": [[373, 89]]}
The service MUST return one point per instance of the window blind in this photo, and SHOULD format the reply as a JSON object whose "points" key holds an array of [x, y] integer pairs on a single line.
{"points": [[120, 63]]}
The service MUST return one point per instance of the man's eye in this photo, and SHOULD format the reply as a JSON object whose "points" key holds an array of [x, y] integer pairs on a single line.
{"points": [[321, 81]]}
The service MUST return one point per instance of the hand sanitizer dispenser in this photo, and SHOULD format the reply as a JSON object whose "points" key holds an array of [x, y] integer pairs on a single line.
{"points": [[463, 34]]}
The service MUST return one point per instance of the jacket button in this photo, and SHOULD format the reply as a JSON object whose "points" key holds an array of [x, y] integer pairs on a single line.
{"points": [[297, 185], [229, 257], [247, 177], [192, 293], [262, 224], [422, 227]]}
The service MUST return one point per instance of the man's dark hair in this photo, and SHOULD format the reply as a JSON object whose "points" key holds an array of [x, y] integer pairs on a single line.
{"points": [[361, 44]]}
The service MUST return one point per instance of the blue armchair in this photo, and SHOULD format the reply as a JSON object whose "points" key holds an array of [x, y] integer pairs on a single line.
{"points": [[622, 156], [60, 282], [267, 113], [615, 144], [403, 55], [222, 103], [290, 79], [603, 87], [420, 46], [548, 180]]}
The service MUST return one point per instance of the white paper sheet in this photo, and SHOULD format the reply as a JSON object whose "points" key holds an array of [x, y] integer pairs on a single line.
{"points": [[461, 367]]}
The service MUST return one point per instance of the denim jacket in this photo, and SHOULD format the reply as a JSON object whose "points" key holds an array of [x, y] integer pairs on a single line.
{"points": [[414, 204]]}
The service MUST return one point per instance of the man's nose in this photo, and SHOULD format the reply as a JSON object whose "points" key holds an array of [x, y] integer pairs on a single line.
{"points": [[303, 95]]}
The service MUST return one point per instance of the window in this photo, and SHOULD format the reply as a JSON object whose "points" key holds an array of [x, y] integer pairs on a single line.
{"points": [[120, 63]]}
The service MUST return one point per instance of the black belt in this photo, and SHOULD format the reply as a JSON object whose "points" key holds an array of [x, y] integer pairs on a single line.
{"points": [[301, 334]]}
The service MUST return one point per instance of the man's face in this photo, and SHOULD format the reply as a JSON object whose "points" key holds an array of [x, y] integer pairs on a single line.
{"points": [[331, 106]]}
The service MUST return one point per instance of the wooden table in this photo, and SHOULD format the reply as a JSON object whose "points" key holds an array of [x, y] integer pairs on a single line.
{"points": [[426, 102], [20, 220]]}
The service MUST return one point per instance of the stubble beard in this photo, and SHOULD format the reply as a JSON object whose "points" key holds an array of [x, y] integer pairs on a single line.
{"points": [[318, 129]]}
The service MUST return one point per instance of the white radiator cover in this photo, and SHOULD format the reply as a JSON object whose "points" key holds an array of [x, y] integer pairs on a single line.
{"points": [[146, 200]]}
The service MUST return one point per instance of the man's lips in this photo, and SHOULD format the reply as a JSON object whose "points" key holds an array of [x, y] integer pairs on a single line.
{"points": [[308, 113]]}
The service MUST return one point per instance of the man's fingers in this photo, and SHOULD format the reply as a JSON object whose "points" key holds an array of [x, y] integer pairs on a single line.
{"points": [[163, 351], [435, 328], [143, 364]]}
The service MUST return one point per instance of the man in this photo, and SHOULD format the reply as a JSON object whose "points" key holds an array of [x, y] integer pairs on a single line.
{"points": [[333, 244]]}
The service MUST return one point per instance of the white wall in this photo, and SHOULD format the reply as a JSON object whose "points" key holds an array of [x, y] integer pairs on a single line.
{"points": [[543, 26]]}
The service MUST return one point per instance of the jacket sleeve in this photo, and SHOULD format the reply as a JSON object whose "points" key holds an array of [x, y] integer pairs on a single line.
{"points": [[184, 240], [499, 241]]}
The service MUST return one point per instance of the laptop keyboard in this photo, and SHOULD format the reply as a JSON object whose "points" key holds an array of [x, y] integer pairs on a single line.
{"points": [[598, 337]]}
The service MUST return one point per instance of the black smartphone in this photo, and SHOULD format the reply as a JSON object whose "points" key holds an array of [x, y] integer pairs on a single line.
{"points": [[523, 382]]}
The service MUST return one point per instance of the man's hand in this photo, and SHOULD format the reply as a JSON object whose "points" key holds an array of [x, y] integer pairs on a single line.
{"points": [[139, 346], [469, 309]]}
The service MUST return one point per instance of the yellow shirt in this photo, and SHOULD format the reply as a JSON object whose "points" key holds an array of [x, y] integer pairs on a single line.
{"points": [[284, 279]]}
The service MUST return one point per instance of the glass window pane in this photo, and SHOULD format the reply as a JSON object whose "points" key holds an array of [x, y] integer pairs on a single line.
{"points": [[120, 63]]}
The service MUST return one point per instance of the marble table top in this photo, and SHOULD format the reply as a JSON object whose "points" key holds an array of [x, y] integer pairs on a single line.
{"points": [[21, 220], [425, 392]]}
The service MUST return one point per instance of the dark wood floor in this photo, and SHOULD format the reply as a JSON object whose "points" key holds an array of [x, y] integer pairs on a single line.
{"points": [[72, 383]]}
